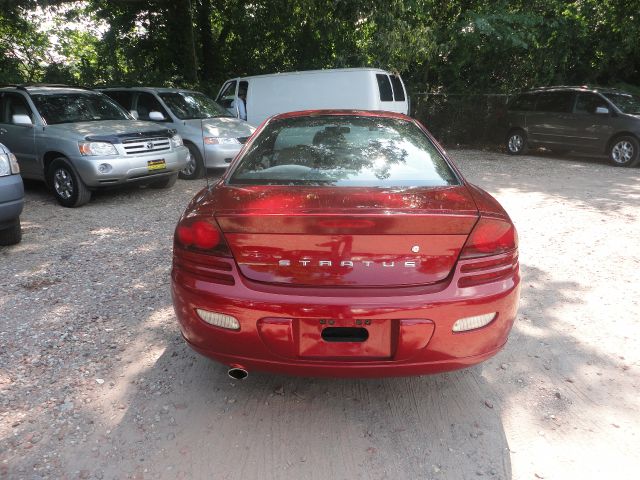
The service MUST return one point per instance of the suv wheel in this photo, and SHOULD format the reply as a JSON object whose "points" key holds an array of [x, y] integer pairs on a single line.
{"points": [[195, 165], [624, 151], [12, 234], [517, 142], [68, 187]]}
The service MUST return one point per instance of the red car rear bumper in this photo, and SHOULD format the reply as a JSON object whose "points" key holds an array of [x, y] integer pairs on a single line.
{"points": [[410, 329]]}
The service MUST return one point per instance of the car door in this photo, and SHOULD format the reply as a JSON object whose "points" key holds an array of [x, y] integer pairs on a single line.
{"points": [[19, 138], [551, 123], [592, 121], [227, 97]]}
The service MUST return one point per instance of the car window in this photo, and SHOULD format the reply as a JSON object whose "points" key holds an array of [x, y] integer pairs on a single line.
{"points": [[124, 99], [147, 103], [14, 104], [190, 105], [227, 95], [343, 150], [524, 103], [398, 90], [77, 107], [588, 102], [558, 102], [626, 102], [384, 85]]}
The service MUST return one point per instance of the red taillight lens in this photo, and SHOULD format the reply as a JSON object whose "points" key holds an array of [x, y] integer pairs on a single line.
{"points": [[490, 236], [201, 235]]}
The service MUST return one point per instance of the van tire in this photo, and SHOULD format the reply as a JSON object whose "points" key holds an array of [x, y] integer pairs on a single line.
{"points": [[11, 235], [516, 142], [67, 186], [624, 151], [195, 164], [166, 182]]}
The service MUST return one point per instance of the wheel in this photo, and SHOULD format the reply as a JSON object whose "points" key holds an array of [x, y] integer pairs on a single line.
{"points": [[68, 187], [624, 150], [195, 165], [517, 142], [166, 182], [12, 234]]}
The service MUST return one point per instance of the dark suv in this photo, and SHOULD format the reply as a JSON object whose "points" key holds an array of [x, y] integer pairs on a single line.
{"points": [[583, 119]]}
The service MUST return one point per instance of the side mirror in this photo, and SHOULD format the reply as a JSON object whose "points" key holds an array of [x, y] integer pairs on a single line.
{"points": [[602, 110], [134, 114], [156, 116], [21, 119]]}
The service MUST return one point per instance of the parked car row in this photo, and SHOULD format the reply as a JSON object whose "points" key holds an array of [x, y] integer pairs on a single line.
{"points": [[583, 119], [79, 140]]}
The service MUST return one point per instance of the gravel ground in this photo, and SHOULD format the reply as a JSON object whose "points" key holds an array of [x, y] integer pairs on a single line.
{"points": [[95, 381]]}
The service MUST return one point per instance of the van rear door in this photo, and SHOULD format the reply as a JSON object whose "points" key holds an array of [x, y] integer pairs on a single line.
{"points": [[393, 97]]}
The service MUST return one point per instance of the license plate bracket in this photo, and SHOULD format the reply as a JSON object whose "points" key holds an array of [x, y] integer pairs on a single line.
{"points": [[159, 164], [345, 339]]}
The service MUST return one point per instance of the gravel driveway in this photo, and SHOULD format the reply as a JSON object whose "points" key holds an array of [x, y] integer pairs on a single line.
{"points": [[95, 381]]}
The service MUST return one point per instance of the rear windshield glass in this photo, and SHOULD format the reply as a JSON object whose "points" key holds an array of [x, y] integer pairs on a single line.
{"points": [[626, 102], [386, 94], [343, 150], [398, 91], [77, 107], [189, 105]]}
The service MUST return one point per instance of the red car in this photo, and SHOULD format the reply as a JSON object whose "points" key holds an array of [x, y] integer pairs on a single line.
{"points": [[345, 243]]}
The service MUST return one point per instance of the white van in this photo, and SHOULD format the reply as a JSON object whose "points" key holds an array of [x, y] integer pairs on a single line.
{"points": [[346, 88]]}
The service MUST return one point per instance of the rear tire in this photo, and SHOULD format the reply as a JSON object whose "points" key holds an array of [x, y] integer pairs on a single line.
{"points": [[195, 164], [67, 186], [516, 142], [11, 235], [624, 151], [166, 182]]}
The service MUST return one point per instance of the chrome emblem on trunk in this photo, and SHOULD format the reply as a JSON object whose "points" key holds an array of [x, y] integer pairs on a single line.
{"points": [[415, 248], [346, 263]]}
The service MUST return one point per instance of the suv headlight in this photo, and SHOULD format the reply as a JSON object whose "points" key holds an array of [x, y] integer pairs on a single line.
{"points": [[8, 165], [176, 140], [220, 141], [97, 148]]}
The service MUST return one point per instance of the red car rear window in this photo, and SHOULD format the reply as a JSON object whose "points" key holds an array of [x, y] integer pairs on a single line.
{"points": [[343, 150]]}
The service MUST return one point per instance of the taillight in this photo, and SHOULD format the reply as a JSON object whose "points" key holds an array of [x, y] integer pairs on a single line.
{"points": [[490, 236], [201, 235]]}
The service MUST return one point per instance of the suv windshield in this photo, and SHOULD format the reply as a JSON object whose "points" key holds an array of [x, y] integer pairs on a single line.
{"points": [[77, 107], [626, 102], [189, 105], [343, 150]]}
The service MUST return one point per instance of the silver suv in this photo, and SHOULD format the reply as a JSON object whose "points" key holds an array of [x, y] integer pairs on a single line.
{"points": [[79, 140], [213, 136]]}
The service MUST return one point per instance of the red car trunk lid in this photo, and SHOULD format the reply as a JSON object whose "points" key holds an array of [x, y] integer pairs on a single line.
{"points": [[345, 236]]}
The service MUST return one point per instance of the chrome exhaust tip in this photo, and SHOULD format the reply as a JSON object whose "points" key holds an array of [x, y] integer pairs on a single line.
{"points": [[238, 373]]}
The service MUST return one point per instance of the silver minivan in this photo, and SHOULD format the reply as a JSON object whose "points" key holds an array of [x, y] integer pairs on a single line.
{"points": [[78, 140], [211, 134]]}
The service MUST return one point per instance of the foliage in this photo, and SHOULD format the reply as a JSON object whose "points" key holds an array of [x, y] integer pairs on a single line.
{"points": [[446, 46]]}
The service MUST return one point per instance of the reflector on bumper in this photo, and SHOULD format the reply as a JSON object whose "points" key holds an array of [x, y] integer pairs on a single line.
{"points": [[471, 323], [218, 319]]}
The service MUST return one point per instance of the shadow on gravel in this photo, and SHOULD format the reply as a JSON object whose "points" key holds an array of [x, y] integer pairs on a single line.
{"points": [[269, 426], [578, 180]]}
